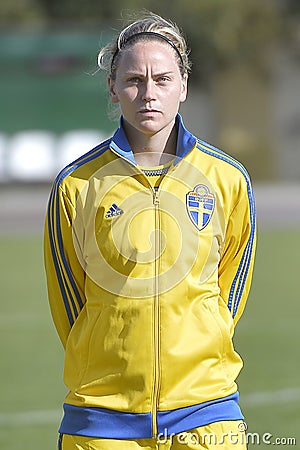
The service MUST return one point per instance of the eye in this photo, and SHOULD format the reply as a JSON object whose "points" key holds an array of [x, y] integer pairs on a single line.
{"points": [[133, 80], [163, 79]]}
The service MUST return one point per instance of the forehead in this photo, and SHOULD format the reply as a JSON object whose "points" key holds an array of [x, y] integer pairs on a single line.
{"points": [[145, 53]]}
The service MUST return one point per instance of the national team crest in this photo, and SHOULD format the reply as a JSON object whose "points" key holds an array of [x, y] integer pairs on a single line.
{"points": [[200, 203]]}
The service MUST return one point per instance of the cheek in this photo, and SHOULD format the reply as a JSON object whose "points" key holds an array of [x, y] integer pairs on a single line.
{"points": [[175, 96], [128, 94]]}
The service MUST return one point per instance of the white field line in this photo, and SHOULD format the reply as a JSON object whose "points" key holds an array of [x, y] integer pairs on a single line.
{"points": [[29, 418]]}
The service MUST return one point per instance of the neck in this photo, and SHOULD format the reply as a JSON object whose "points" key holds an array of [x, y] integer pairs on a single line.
{"points": [[152, 149]]}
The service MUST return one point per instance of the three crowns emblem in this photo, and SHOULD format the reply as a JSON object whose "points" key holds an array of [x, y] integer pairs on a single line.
{"points": [[200, 203]]}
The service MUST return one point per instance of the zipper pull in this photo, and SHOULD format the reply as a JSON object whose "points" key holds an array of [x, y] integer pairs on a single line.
{"points": [[155, 197]]}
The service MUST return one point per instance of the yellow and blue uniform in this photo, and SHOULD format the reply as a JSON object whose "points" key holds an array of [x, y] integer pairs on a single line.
{"points": [[146, 282]]}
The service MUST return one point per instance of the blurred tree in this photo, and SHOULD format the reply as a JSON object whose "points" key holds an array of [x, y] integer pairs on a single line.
{"points": [[20, 11], [224, 32], [219, 32], [292, 7]]}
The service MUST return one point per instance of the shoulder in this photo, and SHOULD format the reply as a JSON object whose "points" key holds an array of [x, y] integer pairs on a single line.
{"points": [[226, 170], [223, 161], [73, 176], [229, 177]]}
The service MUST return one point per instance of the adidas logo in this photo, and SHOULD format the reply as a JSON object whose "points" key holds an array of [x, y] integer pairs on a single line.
{"points": [[113, 211]]}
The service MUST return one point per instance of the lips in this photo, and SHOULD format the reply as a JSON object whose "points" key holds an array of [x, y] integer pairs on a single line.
{"points": [[148, 111]]}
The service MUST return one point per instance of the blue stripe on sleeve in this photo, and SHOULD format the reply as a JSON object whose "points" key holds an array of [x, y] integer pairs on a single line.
{"points": [[239, 281], [246, 260], [65, 263], [56, 238], [56, 262]]}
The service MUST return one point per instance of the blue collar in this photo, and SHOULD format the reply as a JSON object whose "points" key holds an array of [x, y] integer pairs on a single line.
{"points": [[185, 141]]}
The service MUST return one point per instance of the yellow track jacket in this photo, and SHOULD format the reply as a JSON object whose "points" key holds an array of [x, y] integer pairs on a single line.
{"points": [[146, 285]]}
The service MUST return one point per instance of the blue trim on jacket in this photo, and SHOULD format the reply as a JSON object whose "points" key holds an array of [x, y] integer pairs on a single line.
{"points": [[110, 424], [60, 262], [185, 141], [239, 281]]}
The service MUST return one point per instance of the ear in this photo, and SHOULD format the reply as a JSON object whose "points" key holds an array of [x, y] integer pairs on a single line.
{"points": [[112, 92], [184, 85]]}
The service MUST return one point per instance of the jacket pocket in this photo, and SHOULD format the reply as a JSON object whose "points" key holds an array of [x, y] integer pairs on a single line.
{"points": [[223, 321], [78, 347]]}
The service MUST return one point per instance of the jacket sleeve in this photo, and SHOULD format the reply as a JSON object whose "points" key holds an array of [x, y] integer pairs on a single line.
{"points": [[237, 258], [64, 272]]}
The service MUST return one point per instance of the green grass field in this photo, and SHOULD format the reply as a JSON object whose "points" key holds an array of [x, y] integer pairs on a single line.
{"points": [[32, 358]]}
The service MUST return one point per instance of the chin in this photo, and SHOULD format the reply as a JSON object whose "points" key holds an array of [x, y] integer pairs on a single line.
{"points": [[149, 127], [153, 124]]}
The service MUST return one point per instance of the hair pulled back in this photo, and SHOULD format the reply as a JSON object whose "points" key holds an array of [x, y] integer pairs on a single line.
{"points": [[144, 25]]}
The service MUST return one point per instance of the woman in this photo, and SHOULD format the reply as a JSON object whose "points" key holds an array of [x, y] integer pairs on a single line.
{"points": [[149, 247]]}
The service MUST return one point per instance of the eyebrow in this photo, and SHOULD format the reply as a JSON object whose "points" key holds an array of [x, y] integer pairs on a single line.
{"points": [[139, 74]]}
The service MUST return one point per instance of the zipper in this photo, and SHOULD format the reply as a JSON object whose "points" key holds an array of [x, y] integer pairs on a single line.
{"points": [[156, 317]]}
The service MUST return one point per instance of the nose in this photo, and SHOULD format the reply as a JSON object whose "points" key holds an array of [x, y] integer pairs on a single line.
{"points": [[148, 93]]}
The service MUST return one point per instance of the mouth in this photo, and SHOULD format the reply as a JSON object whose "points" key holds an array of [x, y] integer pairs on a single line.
{"points": [[149, 111]]}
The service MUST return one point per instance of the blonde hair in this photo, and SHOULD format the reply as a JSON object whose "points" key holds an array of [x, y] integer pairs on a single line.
{"points": [[144, 25]]}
